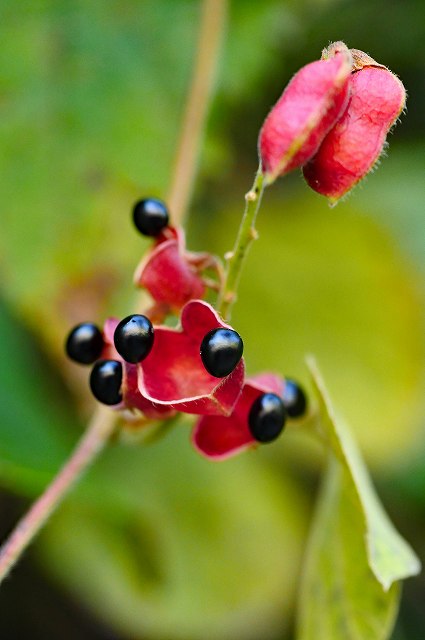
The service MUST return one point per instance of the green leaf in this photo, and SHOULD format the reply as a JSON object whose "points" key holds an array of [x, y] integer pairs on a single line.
{"points": [[400, 210], [390, 557], [355, 556], [92, 100], [340, 597]]}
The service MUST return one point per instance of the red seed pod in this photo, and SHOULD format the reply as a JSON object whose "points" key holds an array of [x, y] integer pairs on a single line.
{"points": [[170, 273], [220, 437], [308, 108], [173, 376], [355, 143], [131, 396]]}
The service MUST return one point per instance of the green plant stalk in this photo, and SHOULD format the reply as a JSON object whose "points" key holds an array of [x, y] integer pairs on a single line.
{"points": [[246, 236]]}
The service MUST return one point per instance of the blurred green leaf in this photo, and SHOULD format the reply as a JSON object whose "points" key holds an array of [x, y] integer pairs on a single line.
{"points": [[194, 550], [355, 556], [394, 195], [407, 479], [90, 117], [249, 22], [333, 283], [340, 597]]}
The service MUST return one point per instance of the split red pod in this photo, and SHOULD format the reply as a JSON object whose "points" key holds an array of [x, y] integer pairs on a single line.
{"points": [[354, 144], [306, 111]]}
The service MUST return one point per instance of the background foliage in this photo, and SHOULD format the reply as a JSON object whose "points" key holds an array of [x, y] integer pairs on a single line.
{"points": [[157, 543]]}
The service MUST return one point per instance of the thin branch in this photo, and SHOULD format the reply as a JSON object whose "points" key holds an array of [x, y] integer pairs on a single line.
{"points": [[186, 162], [246, 236], [91, 444]]}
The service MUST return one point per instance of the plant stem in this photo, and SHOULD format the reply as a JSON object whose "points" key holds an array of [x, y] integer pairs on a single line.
{"points": [[246, 236], [186, 162], [213, 20], [91, 444]]}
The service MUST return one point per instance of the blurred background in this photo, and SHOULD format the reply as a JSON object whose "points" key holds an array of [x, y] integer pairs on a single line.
{"points": [[157, 543]]}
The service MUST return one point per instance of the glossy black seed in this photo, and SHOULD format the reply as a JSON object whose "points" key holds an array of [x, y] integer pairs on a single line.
{"points": [[133, 338], [150, 216], [221, 350], [84, 343], [267, 417], [294, 399], [106, 380]]}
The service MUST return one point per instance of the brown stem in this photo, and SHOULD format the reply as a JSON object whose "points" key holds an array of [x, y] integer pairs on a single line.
{"points": [[93, 441], [186, 162]]}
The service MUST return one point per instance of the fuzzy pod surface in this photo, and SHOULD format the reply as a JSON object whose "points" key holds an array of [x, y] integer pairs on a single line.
{"points": [[306, 111], [352, 147]]}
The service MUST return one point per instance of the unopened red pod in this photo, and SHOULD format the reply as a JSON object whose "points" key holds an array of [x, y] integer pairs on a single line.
{"points": [[354, 144], [308, 108]]}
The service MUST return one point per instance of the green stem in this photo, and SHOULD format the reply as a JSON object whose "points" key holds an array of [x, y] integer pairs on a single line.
{"points": [[246, 236]]}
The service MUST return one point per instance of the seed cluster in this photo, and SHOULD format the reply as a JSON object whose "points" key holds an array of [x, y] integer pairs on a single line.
{"points": [[141, 365]]}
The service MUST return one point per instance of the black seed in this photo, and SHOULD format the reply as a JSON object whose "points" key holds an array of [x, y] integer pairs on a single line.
{"points": [[221, 350], [150, 216], [106, 380], [84, 343], [267, 417], [294, 399], [133, 338]]}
